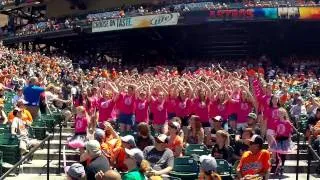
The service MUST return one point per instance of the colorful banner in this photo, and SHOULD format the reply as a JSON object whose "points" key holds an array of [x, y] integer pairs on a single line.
{"points": [[135, 22], [243, 14], [312, 13], [288, 12]]}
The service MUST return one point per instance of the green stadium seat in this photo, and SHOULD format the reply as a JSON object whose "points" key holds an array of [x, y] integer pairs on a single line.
{"points": [[224, 169], [38, 129], [185, 168], [9, 146], [11, 153], [234, 167], [196, 149]]}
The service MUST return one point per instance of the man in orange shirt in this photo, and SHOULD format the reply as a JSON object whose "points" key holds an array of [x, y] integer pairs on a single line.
{"points": [[25, 114], [256, 161]]}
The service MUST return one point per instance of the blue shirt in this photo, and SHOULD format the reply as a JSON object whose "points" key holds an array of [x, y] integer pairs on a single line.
{"points": [[32, 94]]}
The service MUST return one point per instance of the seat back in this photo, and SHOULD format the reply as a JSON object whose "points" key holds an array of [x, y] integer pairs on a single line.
{"points": [[11, 153], [185, 164], [196, 149], [223, 167]]}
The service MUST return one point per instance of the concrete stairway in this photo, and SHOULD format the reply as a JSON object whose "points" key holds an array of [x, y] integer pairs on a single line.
{"points": [[290, 166], [37, 168]]}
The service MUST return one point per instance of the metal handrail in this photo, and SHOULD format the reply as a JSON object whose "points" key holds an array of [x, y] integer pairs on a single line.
{"points": [[29, 155], [298, 150], [311, 151]]}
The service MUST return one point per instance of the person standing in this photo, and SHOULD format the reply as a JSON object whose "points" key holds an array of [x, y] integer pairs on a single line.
{"points": [[32, 96]]}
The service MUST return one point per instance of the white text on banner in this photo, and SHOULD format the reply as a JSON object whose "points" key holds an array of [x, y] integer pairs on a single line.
{"points": [[135, 22]]}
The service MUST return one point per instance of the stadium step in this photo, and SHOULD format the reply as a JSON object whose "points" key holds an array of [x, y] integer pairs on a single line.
{"points": [[292, 176], [64, 136], [290, 166], [36, 169], [40, 167], [54, 154], [37, 177]]}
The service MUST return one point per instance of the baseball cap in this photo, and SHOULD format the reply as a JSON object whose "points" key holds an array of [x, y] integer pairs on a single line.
{"points": [[217, 118], [93, 146], [256, 139], [252, 115], [208, 163], [129, 139], [174, 124], [135, 153], [76, 171], [99, 134], [162, 138]]}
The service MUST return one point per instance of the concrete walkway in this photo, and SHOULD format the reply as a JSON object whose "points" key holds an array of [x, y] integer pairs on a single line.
{"points": [[36, 177], [292, 176]]}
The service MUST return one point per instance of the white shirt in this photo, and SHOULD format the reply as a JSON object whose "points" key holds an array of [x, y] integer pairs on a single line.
{"points": [[17, 123], [50, 97], [73, 90], [16, 98]]}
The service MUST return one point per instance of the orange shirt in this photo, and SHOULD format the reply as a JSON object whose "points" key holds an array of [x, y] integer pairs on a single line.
{"points": [[317, 126], [120, 156], [251, 164], [176, 142], [26, 116]]}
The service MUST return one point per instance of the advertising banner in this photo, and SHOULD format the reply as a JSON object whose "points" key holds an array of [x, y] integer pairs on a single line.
{"points": [[243, 14], [309, 13], [288, 12], [135, 22]]}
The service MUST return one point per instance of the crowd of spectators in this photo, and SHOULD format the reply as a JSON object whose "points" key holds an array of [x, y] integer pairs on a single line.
{"points": [[138, 123], [49, 25]]}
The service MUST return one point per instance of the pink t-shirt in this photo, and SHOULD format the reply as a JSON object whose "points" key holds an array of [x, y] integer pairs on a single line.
{"points": [[201, 109], [171, 104], [183, 107], [159, 110], [271, 115], [105, 109], [243, 109], [219, 109], [126, 103], [283, 128], [141, 111], [81, 124], [90, 105]]}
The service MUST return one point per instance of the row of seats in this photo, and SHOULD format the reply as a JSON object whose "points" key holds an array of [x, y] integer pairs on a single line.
{"points": [[9, 145]]}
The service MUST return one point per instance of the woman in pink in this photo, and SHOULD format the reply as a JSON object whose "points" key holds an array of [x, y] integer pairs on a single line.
{"points": [[271, 115], [159, 111], [125, 104], [105, 108], [183, 108], [81, 121], [142, 108], [81, 127], [244, 106], [219, 106], [200, 107], [171, 102], [90, 102], [282, 145]]}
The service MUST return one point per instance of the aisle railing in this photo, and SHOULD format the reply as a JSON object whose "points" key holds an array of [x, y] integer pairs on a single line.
{"points": [[48, 138]]}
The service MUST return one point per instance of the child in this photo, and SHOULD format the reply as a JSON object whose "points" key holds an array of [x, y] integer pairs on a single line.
{"points": [[81, 124], [283, 129]]}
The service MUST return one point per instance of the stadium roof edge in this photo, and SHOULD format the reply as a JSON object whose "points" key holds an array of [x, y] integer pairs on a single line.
{"points": [[8, 8]]}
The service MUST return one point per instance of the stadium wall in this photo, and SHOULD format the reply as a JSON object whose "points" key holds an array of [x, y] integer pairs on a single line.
{"points": [[58, 8]]}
